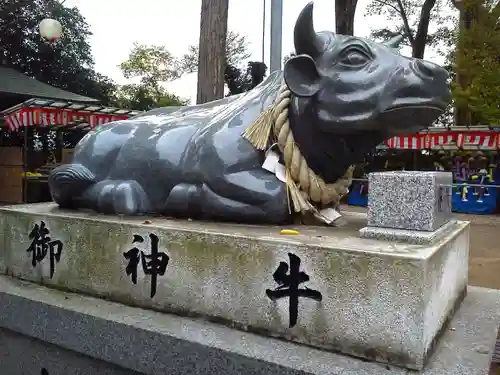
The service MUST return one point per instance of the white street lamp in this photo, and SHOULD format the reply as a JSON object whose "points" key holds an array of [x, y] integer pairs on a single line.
{"points": [[50, 29]]}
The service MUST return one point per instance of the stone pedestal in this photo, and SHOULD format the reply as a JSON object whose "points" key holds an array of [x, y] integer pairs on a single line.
{"points": [[325, 287], [414, 208]]}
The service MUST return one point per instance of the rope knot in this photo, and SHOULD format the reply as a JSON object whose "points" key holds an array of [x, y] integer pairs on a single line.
{"points": [[308, 192]]}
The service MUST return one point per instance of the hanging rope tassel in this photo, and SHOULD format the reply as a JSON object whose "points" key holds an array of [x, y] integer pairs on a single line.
{"points": [[307, 191], [259, 133]]}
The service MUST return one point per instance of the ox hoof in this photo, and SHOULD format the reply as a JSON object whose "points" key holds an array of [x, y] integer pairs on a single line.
{"points": [[129, 199]]}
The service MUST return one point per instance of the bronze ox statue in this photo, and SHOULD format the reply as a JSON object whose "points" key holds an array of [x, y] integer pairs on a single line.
{"points": [[345, 96]]}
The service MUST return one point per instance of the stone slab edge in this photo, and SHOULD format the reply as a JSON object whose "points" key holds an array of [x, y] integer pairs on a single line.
{"points": [[155, 343], [415, 237]]}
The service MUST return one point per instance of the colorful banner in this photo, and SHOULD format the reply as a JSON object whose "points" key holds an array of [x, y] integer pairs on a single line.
{"points": [[44, 117]]}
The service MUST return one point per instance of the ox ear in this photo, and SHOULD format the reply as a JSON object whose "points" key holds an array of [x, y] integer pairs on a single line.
{"points": [[394, 42], [301, 76]]}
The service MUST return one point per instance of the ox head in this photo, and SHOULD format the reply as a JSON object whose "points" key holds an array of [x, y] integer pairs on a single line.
{"points": [[349, 85]]}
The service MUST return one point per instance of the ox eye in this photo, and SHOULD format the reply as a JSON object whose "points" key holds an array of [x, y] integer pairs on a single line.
{"points": [[354, 59]]}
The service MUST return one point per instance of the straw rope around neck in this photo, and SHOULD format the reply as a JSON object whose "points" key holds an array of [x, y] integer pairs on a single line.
{"points": [[309, 192]]}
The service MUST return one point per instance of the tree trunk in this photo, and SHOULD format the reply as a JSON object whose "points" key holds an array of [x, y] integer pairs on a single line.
{"points": [[344, 16], [420, 41], [463, 115], [212, 51]]}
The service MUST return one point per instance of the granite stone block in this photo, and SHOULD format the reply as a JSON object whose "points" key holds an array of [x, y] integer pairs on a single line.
{"points": [[410, 200], [380, 300]]}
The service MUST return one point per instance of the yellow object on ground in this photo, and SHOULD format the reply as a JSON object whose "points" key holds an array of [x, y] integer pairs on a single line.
{"points": [[289, 231]]}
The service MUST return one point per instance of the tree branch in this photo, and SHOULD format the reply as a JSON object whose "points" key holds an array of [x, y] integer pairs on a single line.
{"points": [[406, 23], [389, 5], [401, 11]]}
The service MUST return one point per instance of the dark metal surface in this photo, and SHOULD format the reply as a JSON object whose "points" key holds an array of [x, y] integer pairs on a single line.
{"points": [[348, 95]]}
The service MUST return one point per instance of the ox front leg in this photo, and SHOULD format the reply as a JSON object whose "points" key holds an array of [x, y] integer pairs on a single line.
{"points": [[245, 197], [117, 197]]}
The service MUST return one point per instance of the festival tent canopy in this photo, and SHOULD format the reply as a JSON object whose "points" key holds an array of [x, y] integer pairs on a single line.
{"points": [[16, 83], [62, 114], [47, 106]]}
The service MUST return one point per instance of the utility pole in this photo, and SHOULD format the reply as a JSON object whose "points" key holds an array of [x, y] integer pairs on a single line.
{"points": [[264, 31], [212, 55], [276, 35]]}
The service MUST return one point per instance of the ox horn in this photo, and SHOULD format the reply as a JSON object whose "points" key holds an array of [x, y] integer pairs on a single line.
{"points": [[304, 37], [394, 42]]}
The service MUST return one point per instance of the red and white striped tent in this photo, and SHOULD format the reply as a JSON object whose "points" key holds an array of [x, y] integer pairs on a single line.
{"points": [[60, 114], [475, 138]]}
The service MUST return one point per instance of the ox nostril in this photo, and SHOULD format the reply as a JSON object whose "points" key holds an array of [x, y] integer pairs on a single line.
{"points": [[426, 68]]}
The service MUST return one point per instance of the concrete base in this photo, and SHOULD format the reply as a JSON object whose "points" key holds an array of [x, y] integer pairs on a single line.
{"points": [[72, 326], [374, 299], [417, 237], [23, 355]]}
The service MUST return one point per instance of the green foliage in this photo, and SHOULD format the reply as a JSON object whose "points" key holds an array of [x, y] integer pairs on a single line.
{"points": [[239, 81], [141, 97], [152, 65], [414, 19], [478, 62], [68, 64], [236, 53]]}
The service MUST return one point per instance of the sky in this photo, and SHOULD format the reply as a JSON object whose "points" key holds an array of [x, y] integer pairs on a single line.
{"points": [[117, 24]]}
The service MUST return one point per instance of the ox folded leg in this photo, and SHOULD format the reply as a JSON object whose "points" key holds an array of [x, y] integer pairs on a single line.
{"points": [[242, 197], [129, 198], [215, 206], [264, 196], [184, 200], [116, 196]]}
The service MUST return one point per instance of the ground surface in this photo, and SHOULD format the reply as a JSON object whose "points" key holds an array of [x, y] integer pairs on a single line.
{"points": [[484, 257]]}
